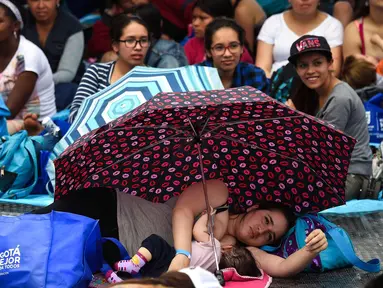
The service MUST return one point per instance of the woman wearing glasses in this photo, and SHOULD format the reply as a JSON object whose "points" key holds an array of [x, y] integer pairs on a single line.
{"points": [[224, 44], [130, 41]]}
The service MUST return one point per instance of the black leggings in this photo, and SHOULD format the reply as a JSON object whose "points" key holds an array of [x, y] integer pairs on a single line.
{"points": [[96, 203]]}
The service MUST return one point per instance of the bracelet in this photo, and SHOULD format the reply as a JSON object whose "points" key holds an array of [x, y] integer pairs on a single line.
{"points": [[183, 252]]}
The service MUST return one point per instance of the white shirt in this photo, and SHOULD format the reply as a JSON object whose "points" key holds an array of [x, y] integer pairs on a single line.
{"points": [[31, 58], [203, 255], [276, 32]]}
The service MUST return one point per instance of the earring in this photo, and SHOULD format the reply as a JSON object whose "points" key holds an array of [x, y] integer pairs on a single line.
{"points": [[15, 34], [366, 3]]}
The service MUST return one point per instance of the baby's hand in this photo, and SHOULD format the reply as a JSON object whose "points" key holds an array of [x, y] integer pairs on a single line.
{"points": [[316, 241]]}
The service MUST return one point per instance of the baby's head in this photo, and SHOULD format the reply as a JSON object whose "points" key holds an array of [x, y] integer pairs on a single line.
{"points": [[241, 259], [359, 71]]}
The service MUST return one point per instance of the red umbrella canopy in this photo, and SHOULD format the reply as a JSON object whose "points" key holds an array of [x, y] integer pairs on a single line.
{"points": [[263, 151]]}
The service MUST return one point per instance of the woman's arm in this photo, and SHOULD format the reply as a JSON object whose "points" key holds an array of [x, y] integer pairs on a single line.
{"points": [[264, 59], [337, 56], [70, 59], [245, 15], [88, 86], [189, 205], [23, 89], [352, 43], [276, 266]]}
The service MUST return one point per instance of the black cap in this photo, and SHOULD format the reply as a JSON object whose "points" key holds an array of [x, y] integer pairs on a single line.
{"points": [[309, 43]]}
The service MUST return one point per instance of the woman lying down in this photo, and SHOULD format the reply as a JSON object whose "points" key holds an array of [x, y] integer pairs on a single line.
{"points": [[155, 255]]}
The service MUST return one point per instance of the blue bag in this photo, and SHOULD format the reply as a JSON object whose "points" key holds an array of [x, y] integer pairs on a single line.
{"points": [[18, 165], [339, 253], [55, 250], [4, 113], [374, 115]]}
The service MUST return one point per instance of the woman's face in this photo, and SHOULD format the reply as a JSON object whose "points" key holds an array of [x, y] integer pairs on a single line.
{"points": [[313, 69], [43, 10], [261, 227], [226, 50], [367, 58], [304, 7], [6, 25], [133, 51], [200, 21]]}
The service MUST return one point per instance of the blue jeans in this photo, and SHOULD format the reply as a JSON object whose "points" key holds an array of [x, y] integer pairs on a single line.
{"points": [[64, 95]]}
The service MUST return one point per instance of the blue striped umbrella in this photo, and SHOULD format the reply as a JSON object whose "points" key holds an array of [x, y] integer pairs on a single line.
{"points": [[135, 88]]}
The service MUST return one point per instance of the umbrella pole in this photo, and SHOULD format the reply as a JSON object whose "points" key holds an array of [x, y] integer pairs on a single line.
{"points": [[210, 220]]}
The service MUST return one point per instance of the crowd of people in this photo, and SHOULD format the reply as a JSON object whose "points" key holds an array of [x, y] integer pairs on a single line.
{"points": [[330, 51]]}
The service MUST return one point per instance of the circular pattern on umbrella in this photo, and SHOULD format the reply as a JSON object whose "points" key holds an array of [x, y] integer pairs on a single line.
{"points": [[261, 149]]}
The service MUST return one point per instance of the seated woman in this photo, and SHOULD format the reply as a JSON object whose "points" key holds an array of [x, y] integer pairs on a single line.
{"points": [[131, 41], [26, 83], [281, 30], [59, 34], [162, 53], [324, 96], [132, 219], [224, 44], [204, 12], [364, 35]]}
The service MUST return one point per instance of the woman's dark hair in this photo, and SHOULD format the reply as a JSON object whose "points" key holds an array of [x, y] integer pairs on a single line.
{"points": [[305, 99], [361, 9], [170, 279], [242, 260], [119, 23], [9, 13], [219, 23], [152, 17], [216, 8]]}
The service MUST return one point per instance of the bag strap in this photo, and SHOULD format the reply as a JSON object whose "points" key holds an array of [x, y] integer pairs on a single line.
{"points": [[123, 252], [348, 252]]}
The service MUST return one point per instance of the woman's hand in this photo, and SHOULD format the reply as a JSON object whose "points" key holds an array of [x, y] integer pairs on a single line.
{"points": [[316, 241], [179, 262], [290, 103]]}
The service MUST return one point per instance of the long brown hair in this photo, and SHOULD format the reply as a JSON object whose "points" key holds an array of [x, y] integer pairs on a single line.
{"points": [[171, 279]]}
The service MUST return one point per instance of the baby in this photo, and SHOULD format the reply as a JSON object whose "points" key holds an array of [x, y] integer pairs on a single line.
{"points": [[155, 254]]}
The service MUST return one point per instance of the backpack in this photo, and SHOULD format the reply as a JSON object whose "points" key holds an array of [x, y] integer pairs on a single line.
{"points": [[18, 166], [372, 98], [339, 253], [282, 83]]}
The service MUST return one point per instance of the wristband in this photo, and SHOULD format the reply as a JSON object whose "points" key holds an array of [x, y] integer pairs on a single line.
{"points": [[183, 252]]}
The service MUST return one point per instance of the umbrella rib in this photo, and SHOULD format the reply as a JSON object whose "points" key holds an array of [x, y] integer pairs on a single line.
{"points": [[208, 118], [266, 150], [173, 137]]}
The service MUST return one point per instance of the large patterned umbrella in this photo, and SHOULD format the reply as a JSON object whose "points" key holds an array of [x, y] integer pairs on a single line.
{"points": [[135, 88], [263, 151]]}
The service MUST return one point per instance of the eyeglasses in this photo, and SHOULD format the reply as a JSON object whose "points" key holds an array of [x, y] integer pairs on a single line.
{"points": [[132, 43], [220, 49]]}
